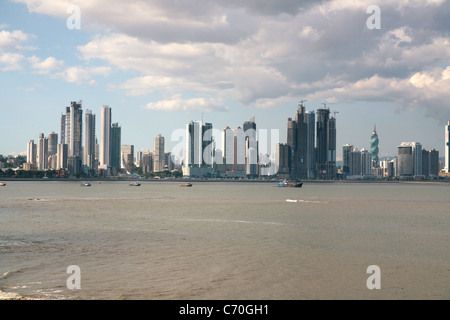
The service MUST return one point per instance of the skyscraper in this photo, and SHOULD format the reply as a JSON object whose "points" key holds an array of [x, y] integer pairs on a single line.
{"points": [[447, 148], [199, 152], [127, 158], [283, 160], [105, 137], [89, 141], [434, 163], [115, 148], [42, 152], [75, 127], [297, 141], [239, 152], [52, 143], [405, 160], [31, 152], [346, 150], [251, 147], [62, 154], [374, 147], [310, 120], [228, 149], [158, 153], [326, 144], [410, 159]]}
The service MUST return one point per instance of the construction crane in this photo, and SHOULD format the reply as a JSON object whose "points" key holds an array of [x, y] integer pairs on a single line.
{"points": [[334, 112], [324, 105], [301, 102]]}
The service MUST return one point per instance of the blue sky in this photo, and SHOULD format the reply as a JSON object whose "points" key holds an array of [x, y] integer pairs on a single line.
{"points": [[159, 64]]}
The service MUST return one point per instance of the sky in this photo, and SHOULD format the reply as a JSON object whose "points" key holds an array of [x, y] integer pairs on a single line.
{"points": [[162, 63]]}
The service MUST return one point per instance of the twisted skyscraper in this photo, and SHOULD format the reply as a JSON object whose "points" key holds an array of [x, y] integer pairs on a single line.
{"points": [[374, 147]]}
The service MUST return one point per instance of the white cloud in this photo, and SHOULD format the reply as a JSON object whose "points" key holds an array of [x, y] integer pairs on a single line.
{"points": [[11, 61], [13, 41], [79, 74], [188, 105], [44, 67]]}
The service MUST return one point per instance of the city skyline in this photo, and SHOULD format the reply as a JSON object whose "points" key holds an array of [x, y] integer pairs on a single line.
{"points": [[225, 63]]}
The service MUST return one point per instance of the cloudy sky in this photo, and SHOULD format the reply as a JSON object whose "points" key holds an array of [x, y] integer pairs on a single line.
{"points": [[161, 63]]}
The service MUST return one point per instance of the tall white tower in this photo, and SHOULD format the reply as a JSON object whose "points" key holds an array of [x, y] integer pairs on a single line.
{"points": [[105, 128], [447, 147]]}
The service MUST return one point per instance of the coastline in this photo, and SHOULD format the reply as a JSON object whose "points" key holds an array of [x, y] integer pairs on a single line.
{"points": [[206, 180]]}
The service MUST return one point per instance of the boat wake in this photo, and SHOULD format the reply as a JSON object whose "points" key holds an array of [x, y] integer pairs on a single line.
{"points": [[304, 201]]}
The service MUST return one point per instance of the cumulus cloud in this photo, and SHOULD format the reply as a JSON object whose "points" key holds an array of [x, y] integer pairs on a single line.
{"points": [[266, 53], [46, 66], [80, 74], [188, 105]]}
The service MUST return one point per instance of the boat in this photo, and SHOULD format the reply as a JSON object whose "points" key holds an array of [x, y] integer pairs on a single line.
{"points": [[2, 184], [85, 184], [286, 184], [186, 184], [135, 184]]}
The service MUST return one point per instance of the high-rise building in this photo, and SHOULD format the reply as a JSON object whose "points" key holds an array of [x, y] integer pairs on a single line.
{"points": [[297, 141], [31, 152], [326, 144], [447, 148], [310, 120], [346, 149], [62, 155], [283, 160], [409, 159], [239, 152], [147, 162], [434, 163], [128, 158], [75, 128], [366, 162], [228, 149], [52, 143], [374, 147], [158, 153], [89, 142], [199, 152], [355, 162], [425, 163], [115, 148], [417, 158], [251, 147], [105, 138], [42, 152]]}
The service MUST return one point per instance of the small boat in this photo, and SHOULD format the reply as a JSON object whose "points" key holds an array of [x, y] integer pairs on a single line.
{"points": [[186, 184], [286, 184], [2, 184], [85, 184], [135, 184]]}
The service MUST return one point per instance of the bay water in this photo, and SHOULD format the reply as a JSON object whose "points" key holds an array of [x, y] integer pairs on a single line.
{"points": [[224, 240]]}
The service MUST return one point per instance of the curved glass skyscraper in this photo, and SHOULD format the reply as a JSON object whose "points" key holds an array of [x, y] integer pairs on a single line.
{"points": [[374, 146]]}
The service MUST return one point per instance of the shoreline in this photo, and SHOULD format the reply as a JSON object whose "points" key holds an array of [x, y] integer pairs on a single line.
{"points": [[120, 179]]}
